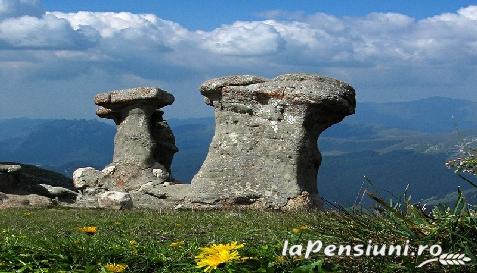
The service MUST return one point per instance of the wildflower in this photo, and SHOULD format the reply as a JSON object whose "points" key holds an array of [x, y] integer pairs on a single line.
{"points": [[280, 259], [176, 244], [27, 214], [133, 245], [211, 257], [300, 229], [89, 230], [117, 268]]}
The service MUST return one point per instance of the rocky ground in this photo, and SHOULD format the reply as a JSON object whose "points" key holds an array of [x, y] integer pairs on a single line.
{"points": [[26, 185]]}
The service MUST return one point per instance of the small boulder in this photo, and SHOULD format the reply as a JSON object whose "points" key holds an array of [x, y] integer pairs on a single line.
{"points": [[86, 177], [115, 200], [30, 200], [56, 191], [109, 170]]}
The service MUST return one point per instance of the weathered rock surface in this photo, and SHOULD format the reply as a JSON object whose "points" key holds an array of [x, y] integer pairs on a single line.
{"points": [[143, 146], [264, 151], [87, 177], [28, 200], [115, 200], [54, 192]]}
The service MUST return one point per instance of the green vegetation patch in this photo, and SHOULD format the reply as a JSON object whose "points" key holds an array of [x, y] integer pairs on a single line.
{"points": [[58, 240]]}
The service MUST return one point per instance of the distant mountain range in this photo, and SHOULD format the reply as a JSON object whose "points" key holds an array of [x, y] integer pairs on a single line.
{"points": [[431, 115], [392, 144]]}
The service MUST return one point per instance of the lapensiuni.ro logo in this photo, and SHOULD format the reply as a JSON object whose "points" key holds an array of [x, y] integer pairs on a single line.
{"points": [[358, 250]]}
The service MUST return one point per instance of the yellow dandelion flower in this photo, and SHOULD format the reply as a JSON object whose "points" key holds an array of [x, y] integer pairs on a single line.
{"points": [[116, 268], [300, 229], [280, 259], [211, 257], [177, 244], [27, 213], [133, 244], [89, 230], [304, 227], [296, 230]]}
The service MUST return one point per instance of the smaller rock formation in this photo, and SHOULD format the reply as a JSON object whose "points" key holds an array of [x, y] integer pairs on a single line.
{"points": [[264, 152], [143, 146]]}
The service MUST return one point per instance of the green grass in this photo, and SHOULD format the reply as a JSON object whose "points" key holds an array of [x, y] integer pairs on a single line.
{"points": [[43, 240]]}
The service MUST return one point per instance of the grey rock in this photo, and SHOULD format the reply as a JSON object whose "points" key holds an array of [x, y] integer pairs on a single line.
{"points": [[87, 177], [57, 191], [158, 196], [264, 150], [29, 200], [139, 95], [3, 196], [161, 173], [109, 170], [115, 200], [176, 192], [144, 142]]}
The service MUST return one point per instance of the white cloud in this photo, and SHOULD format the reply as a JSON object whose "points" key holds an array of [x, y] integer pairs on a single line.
{"points": [[46, 32], [243, 39], [13, 8], [385, 55]]}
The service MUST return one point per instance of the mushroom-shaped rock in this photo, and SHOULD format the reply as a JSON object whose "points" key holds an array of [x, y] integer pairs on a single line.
{"points": [[265, 145], [143, 142]]}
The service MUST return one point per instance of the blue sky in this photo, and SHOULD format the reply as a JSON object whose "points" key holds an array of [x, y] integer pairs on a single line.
{"points": [[208, 14], [56, 55]]}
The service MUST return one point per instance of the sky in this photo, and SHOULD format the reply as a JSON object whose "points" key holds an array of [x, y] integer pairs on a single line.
{"points": [[56, 55]]}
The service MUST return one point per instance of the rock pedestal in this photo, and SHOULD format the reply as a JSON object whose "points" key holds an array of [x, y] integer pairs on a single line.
{"points": [[143, 146], [264, 150]]}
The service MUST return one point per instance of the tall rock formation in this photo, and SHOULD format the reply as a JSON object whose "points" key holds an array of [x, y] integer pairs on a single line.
{"points": [[264, 151]]}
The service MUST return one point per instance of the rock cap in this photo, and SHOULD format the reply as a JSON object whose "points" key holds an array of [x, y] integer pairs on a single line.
{"points": [[143, 95], [295, 88]]}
